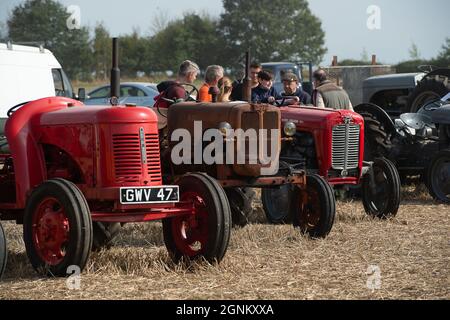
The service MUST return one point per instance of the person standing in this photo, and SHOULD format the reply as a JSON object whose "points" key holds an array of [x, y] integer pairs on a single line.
{"points": [[255, 69], [212, 76], [329, 95]]}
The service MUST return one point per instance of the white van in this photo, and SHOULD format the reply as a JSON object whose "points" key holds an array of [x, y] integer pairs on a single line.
{"points": [[29, 73]]}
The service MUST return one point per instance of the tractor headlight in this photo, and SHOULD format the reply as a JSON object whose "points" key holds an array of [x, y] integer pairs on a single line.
{"points": [[225, 128], [290, 129]]}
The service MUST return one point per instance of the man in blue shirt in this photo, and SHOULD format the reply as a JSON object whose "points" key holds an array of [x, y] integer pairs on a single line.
{"points": [[292, 89]]}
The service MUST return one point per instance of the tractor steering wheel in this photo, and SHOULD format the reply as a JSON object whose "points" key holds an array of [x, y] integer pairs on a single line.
{"points": [[281, 103], [14, 109], [189, 93]]}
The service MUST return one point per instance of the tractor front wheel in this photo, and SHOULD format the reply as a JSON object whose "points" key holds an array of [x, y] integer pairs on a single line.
{"points": [[57, 228], [104, 234], [438, 177], [381, 189], [206, 232], [276, 203], [313, 209], [3, 252]]}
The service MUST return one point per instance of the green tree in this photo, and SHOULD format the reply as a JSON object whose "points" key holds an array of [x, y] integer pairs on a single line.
{"points": [[102, 47], [273, 29], [134, 54], [45, 22], [414, 52], [443, 59], [193, 37]]}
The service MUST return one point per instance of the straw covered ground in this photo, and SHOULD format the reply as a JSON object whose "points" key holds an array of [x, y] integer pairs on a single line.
{"points": [[411, 253]]}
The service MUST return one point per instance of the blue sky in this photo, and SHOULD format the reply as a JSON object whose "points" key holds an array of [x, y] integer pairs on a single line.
{"points": [[403, 22]]}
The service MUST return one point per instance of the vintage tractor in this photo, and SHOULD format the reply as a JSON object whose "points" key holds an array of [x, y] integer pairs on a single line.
{"points": [[438, 172], [330, 143], [73, 170], [239, 163], [416, 143], [312, 205], [3, 251]]}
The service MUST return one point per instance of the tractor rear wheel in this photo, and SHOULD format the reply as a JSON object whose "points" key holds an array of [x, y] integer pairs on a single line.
{"points": [[105, 234], [313, 209], [438, 177], [57, 228], [381, 197], [377, 142], [276, 203], [3, 251], [426, 91], [206, 233]]}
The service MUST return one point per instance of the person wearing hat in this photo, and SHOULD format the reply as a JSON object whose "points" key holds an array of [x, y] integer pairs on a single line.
{"points": [[292, 89]]}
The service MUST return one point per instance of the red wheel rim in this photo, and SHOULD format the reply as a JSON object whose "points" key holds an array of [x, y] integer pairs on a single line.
{"points": [[190, 232], [50, 231], [310, 209]]}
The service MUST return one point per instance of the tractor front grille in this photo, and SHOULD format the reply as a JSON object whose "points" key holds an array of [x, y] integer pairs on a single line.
{"points": [[345, 147], [132, 163]]}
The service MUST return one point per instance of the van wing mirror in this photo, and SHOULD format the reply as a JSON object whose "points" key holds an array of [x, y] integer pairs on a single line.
{"points": [[81, 94]]}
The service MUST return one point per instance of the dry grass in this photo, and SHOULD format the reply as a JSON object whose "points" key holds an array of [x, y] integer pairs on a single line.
{"points": [[266, 262]]}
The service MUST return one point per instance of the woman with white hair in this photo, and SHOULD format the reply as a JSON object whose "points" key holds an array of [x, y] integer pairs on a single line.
{"points": [[213, 75]]}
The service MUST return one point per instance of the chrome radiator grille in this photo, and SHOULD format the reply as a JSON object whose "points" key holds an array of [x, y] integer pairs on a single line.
{"points": [[345, 147]]}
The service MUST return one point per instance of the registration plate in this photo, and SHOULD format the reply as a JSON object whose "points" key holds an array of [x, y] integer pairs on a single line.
{"points": [[148, 195]]}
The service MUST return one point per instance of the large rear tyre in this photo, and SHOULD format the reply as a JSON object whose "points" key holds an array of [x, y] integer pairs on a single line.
{"points": [[57, 228], [313, 209], [377, 142], [381, 200], [206, 233], [426, 91], [438, 177], [276, 202], [3, 251]]}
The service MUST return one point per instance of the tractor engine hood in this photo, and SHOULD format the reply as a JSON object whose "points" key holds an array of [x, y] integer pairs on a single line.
{"points": [[316, 118], [98, 115]]}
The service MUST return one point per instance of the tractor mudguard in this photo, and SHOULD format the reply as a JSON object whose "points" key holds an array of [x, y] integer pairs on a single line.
{"points": [[441, 115], [438, 72], [379, 113]]}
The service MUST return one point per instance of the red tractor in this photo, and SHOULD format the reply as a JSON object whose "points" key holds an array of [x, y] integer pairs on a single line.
{"points": [[330, 143], [74, 172]]}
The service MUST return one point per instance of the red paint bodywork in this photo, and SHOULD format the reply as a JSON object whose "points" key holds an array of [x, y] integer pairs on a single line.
{"points": [[95, 147], [320, 123]]}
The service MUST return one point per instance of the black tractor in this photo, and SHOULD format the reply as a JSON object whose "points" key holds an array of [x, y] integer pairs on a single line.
{"points": [[417, 143]]}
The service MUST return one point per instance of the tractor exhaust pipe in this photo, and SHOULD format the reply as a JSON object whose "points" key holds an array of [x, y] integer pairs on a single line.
{"points": [[115, 73], [247, 87]]}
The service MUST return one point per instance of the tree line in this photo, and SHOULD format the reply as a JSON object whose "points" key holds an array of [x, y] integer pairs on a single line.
{"points": [[272, 29]]}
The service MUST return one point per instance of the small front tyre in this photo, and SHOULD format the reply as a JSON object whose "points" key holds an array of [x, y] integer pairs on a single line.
{"points": [[314, 208], [206, 233], [57, 228], [381, 197]]}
